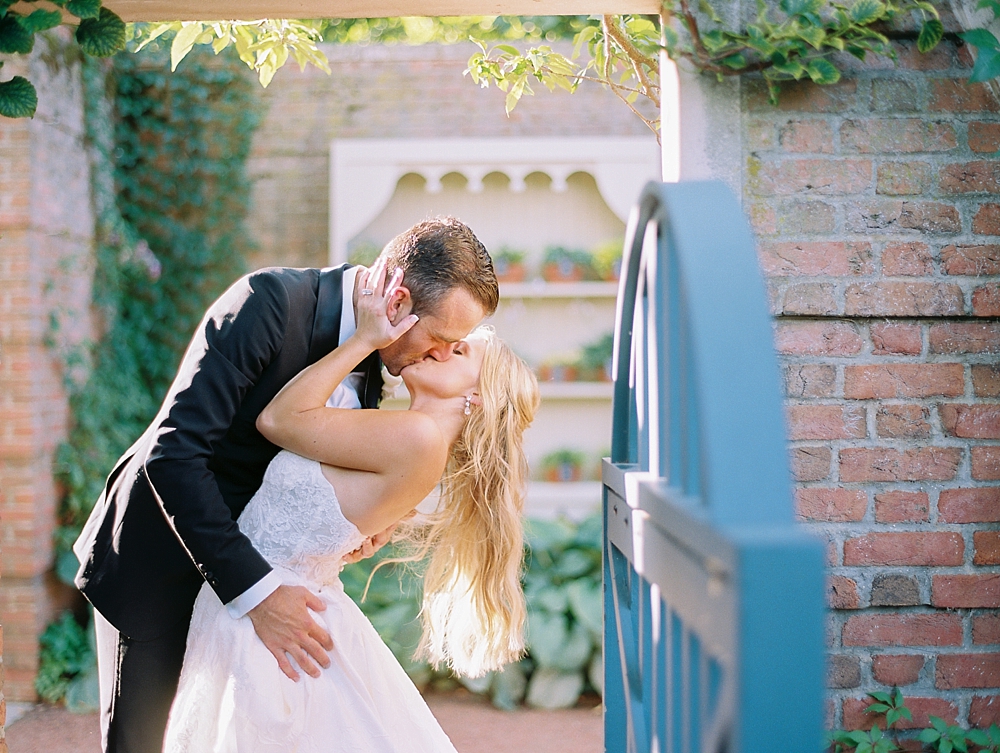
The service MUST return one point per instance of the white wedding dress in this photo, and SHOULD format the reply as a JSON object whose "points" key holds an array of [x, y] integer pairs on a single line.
{"points": [[233, 697]]}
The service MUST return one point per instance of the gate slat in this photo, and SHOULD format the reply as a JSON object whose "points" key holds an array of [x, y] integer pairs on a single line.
{"points": [[713, 597]]}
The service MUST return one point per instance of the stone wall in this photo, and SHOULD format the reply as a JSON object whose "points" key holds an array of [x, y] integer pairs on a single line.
{"points": [[46, 235], [875, 202]]}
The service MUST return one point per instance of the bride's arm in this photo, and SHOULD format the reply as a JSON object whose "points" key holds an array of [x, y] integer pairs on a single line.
{"points": [[297, 419]]}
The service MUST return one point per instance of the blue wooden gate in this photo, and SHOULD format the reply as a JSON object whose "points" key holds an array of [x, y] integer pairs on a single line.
{"points": [[713, 599]]}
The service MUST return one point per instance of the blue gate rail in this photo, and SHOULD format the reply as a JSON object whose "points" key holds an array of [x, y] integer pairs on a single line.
{"points": [[713, 597]]}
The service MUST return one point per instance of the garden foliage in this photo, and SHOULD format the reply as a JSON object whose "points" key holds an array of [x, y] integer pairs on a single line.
{"points": [[171, 196], [562, 585]]}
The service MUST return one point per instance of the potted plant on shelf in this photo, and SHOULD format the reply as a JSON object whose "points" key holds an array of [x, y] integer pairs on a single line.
{"points": [[508, 263], [562, 264], [563, 465], [559, 370], [608, 260], [595, 359]]}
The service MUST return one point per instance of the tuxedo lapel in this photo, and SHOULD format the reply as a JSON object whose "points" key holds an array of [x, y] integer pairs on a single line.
{"points": [[373, 381], [326, 322]]}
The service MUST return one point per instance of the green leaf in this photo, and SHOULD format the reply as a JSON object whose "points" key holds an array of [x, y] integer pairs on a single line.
{"points": [[987, 66], [980, 38], [40, 20], [586, 601], [551, 688], [183, 42], [705, 7], [507, 689], [823, 72], [18, 98], [930, 34], [929, 735], [84, 8], [103, 36], [14, 37], [801, 7], [865, 12], [735, 61], [814, 35], [978, 737]]}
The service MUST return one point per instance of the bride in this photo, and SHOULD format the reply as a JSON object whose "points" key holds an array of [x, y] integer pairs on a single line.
{"points": [[465, 422]]}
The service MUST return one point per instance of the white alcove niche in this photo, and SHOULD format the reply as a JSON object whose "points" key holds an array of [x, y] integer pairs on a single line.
{"points": [[524, 194], [521, 192]]}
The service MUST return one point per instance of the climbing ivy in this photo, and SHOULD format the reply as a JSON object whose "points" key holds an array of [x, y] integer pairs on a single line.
{"points": [[171, 195]]}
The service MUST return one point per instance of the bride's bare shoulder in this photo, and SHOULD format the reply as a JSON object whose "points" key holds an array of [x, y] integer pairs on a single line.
{"points": [[419, 435]]}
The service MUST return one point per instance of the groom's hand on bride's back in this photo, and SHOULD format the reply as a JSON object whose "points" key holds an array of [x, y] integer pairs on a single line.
{"points": [[282, 621]]}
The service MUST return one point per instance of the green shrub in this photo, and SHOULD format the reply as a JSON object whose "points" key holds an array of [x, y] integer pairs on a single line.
{"points": [[66, 653], [562, 585]]}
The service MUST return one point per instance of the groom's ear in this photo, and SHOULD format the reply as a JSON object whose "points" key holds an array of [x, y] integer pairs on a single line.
{"points": [[399, 305]]}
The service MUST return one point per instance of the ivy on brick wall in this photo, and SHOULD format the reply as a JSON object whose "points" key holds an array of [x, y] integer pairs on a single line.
{"points": [[171, 195]]}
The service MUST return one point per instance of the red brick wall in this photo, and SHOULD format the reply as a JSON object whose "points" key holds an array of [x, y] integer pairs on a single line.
{"points": [[875, 203], [46, 233], [387, 92]]}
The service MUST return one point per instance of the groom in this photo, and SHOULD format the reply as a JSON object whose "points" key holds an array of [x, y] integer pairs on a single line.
{"points": [[166, 521]]}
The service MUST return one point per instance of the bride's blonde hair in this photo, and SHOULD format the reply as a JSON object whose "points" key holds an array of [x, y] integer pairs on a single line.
{"points": [[473, 608]]}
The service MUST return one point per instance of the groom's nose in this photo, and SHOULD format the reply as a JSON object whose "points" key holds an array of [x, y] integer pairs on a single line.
{"points": [[442, 352]]}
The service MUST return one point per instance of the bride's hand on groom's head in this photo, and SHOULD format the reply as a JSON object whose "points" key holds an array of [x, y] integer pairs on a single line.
{"points": [[378, 305]]}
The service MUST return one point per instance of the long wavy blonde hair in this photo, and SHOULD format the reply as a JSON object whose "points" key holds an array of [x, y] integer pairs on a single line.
{"points": [[473, 608]]}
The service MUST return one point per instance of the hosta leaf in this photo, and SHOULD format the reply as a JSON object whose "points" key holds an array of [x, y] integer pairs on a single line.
{"points": [[547, 534], [587, 603], [18, 98], [103, 36], [553, 689], [595, 671], [930, 34], [507, 689], [822, 71], [573, 563], [867, 11], [84, 8], [40, 20], [14, 37], [552, 599]]}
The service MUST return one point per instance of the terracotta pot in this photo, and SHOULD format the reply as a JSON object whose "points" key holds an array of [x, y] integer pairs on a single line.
{"points": [[615, 272], [557, 372], [563, 472], [509, 271], [562, 271]]}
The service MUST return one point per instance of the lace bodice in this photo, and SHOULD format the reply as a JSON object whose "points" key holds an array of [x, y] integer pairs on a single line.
{"points": [[295, 521]]}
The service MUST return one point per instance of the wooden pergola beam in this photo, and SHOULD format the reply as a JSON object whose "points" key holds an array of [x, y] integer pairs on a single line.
{"points": [[247, 10]]}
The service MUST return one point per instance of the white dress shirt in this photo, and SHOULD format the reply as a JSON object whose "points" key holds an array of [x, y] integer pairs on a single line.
{"points": [[347, 395]]}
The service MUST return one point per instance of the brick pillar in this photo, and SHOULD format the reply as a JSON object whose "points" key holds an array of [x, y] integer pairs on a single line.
{"points": [[46, 238], [875, 202]]}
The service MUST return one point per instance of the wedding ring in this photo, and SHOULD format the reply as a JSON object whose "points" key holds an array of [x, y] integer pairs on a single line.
{"points": [[367, 292]]}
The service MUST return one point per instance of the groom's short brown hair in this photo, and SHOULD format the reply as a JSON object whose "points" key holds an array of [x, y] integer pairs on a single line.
{"points": [[436, 257]]}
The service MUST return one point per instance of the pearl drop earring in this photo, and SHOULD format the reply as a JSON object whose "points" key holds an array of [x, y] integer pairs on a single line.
{"points": [[468, 405]]}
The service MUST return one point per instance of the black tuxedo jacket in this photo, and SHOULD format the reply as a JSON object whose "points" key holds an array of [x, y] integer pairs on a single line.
{"points": [[166, 520]]}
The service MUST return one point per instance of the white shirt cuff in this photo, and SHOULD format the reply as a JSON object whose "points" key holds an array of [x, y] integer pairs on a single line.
{"points": [[254, 595]]}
